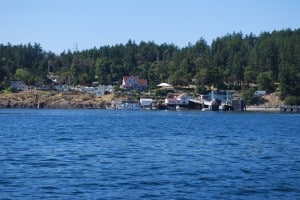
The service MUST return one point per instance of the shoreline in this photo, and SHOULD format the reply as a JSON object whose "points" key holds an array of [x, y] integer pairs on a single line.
{"points": [[248, 109], [262, 109], [76, 100], [53, 100]]}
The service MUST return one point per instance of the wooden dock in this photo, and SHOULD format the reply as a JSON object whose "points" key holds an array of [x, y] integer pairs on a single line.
{"points": [[294, 109]]}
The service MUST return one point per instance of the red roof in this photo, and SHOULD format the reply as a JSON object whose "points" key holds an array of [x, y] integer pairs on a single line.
{"points": [[125, 78], [141, 81]]}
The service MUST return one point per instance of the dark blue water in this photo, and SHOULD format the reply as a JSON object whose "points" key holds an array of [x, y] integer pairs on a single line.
{"points": [[100, 154]]}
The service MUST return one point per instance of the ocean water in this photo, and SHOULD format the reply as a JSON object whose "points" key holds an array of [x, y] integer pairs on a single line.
{"points": [[109, 154]]}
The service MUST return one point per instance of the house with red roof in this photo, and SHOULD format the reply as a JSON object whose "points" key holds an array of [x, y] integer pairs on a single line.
{"points": [[134, 83]]}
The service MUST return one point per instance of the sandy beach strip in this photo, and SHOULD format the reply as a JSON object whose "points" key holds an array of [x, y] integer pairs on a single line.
{"points": [[263, 109]]}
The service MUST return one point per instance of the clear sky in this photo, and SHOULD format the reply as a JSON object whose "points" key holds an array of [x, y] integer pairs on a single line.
{"points": [[60, 25]]}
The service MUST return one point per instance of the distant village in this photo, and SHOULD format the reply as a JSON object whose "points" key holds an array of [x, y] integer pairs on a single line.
{"points": [[259, 70], [215, 100]]}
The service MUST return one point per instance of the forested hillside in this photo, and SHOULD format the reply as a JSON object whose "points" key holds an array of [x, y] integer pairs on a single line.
{"points": [[234, 61]]}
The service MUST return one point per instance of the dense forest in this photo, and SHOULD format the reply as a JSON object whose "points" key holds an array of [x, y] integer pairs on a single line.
{"points": [[270, 61]]}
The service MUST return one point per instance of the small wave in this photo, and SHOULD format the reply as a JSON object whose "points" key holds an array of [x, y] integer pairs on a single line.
{"points": [[208, 178], [85, 156], [5, 182], [150, 196], [284, 188], [150, 183], [250, 192], [49, 188], [246, 171], [64, 139], [267, 157], [87, 185]]}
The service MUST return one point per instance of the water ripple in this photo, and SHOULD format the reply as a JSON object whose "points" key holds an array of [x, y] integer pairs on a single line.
{"points": [[95, 154]]}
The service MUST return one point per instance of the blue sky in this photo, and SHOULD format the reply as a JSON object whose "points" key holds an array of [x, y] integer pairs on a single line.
{"points": [[60, 25]]}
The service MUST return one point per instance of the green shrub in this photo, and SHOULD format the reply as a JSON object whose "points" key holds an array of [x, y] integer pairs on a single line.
{"points": [[249, 97], [292, 100]]}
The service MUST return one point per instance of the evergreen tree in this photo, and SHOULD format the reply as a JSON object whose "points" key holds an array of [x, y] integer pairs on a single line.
{"points": [[232, 61]]}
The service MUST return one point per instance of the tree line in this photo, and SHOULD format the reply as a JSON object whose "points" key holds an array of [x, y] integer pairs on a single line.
{"points": [[270, 61]]}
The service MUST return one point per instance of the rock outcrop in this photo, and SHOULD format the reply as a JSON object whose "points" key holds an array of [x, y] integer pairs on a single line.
{"points": [[52, 99]]}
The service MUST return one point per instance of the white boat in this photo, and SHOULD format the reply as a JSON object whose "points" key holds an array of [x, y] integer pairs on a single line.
{"points": [[129, 105]]}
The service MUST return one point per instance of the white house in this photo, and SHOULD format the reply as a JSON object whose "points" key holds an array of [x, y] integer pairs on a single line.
{"points": [[53, 78], [224, 96], [62, 88], [134, 83], [102, 89], [87, 89], [181, 99], [146, 103], [260, 92], [18, 85], [99, 90]]}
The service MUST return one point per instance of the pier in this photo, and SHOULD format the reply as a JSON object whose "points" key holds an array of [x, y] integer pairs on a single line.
{"points": [[290, 109]]}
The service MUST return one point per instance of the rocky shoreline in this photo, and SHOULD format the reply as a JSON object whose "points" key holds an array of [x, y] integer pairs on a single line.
{"points": [[263, 109], [52, 99], [77, 100]]}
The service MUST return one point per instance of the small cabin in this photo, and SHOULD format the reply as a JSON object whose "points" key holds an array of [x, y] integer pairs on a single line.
{"points": [[146, 103], [18, 85], [134, 83], [181, 99], [260, 93]]}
